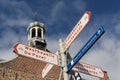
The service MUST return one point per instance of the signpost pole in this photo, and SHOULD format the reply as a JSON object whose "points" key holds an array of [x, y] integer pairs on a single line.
{"points": [[63, 58], [73, 34]]}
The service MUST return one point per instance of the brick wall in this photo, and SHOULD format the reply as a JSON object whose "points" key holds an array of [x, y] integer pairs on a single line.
{"points": [[22, 68], [9, 74]]}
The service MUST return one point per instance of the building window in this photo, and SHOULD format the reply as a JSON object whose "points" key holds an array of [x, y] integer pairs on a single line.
{"points": [[33, 32], [39, 32]]}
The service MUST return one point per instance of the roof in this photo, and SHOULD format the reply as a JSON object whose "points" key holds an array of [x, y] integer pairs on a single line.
{"points": [[31, 66], [36, 23]]}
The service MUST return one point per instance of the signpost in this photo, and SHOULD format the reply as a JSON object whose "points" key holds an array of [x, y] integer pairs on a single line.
{"points": [[74, 33], [34, 53], [89, 69], [52, 59], [85, 48]]}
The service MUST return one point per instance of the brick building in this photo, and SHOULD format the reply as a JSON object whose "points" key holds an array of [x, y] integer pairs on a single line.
{"points": [[24, 68]]}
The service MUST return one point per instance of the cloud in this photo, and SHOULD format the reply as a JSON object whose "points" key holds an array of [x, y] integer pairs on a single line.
{"points": [[52, 42], [19, 13], [9, 37], [7, 54], [105, 53], [64, 13], [13, 15], [56, 12], [105, 56], [80, 5], [117, 28]]}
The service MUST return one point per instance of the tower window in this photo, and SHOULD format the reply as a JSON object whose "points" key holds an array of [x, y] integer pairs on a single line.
{"points": [[33, 32], [39, 32]]}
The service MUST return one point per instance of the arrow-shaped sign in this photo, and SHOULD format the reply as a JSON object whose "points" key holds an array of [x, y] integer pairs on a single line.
{"points": [[34, 53], [73, 34], [77, 29], [89, 69], [85, 48]]}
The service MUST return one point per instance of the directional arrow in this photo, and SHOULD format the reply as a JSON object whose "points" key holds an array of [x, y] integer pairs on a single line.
{"points": [[89, 69], [85, 48], [34, 53], [73, 34], [77, 29]]}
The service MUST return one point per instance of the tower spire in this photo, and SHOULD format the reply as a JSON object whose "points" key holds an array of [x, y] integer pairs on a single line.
{"points": [[36, 34]]}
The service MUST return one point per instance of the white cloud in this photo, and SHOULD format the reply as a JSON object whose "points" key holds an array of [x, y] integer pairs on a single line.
{"points": [[117, 28], [60, 11], [80, 5], [10, 37], [105, 57], [14, 13], [52, 44], [17, 23], [106, 53], [56, 12], [7, 54]]}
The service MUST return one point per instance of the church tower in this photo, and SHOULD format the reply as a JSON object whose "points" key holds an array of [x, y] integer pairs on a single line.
{"points": [[36, 35]]}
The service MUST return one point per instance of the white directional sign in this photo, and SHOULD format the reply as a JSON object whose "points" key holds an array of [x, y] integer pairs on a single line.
{"points": [[77, 29], [74, 33], [34, 53], [89, 69]]}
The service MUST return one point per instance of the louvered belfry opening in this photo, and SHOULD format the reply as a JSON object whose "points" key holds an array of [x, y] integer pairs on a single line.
{"points": [[36, 35]]}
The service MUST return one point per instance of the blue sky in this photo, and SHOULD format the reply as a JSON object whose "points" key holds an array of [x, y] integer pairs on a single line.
{"points": [[59, 17]]}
